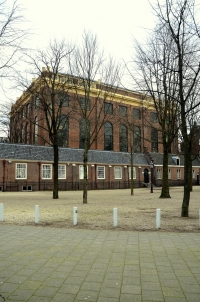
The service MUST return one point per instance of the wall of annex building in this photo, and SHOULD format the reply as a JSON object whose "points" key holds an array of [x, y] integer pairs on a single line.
{"points": [[28, 124], [16, 174]]}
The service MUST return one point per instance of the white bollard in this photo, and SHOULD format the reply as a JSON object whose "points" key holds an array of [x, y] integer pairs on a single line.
{"points": [[37, 214], [75, 216], [158, 219], [1, 211], [115, 217]]}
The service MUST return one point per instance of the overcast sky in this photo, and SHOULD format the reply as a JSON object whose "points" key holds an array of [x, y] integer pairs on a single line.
{"points": [[115, 22]]}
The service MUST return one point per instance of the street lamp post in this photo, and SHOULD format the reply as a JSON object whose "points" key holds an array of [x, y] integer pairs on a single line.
{"points": [[151, 166]]}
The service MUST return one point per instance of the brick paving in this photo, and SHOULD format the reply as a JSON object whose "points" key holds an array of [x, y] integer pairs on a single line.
{"points": [[53, 264]]}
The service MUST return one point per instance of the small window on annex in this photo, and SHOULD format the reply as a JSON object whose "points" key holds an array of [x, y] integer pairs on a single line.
{"points": [[21, 171], [63, 100], [100, 172], [169, 174], [118, 172], [178, 174], [122, 110], [46, 171], [108, 108], [84, 103], [134, 173], [81, 172], [159, 174], [61, 171], [136, 114]]}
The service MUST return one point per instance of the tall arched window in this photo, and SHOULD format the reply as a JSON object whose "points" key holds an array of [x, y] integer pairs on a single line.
{"points": [[123, 138], [36, 131], [63, 131], [108, 136], [137, 139], [84, 133], [154, 140]]}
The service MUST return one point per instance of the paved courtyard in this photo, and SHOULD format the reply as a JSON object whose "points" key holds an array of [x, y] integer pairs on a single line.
{"points": [[53, 264]]}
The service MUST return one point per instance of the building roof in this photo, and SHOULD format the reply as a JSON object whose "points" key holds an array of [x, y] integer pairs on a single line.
{"points": [[44, 153], [158, 159]]}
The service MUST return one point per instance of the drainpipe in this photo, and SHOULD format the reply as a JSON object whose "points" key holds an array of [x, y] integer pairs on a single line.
{"points": [[39, 164]]}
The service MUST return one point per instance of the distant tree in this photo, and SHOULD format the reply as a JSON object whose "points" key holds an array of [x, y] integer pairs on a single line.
{"points": [[155, 66], [87, 64], [48, 93], [179, 20]]}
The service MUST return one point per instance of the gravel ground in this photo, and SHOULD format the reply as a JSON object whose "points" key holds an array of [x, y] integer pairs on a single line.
{"points": [[137, 212]]}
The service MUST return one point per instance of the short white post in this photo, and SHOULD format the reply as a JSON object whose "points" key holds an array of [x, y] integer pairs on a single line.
{"points": [[1, 211], [37, 214], [158, 219], [115, 217], [75, 215]]}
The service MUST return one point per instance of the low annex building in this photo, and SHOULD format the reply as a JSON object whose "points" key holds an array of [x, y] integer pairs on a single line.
{"points": [[29, 168]]}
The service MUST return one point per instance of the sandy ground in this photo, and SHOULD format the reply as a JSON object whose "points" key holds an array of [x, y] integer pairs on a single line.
{"points": [[137, 212]]}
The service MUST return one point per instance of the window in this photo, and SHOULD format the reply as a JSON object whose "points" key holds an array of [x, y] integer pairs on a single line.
{"points": [[134, 173], [137, 139], [108, 108], [37, 102], [193, 174], [176, 160], [21, 171], [159, 174], [84, 103], [154, 140], [63, 131], [118, 172], [63, 100], [28, 109], [178, 174], [136, 114], [81, 172], [123, 138], [46, 171], [122, 110], [153, 117], [169, 174], [84, 132], [108, 136], [61, 171], [100, 172], [36, 131]]}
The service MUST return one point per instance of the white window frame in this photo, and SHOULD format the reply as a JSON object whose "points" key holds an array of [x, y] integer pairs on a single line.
{"points": [[81, 172], [159, 174], [100, 172], [61, 171], [193, 173], [169, 174], [134, 172], [178, 174], [21, 171], [118, 172], [45, 170]]}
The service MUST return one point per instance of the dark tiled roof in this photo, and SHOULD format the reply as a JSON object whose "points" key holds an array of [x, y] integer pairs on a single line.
{"points": [[43, 153], [158, 159]]}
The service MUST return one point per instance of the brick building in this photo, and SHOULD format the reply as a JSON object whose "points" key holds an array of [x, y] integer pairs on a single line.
{"points": [[110, 111], [29, 167]]}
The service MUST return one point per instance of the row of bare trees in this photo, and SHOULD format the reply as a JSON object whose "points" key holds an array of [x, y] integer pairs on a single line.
{"points": [[167, 68]]}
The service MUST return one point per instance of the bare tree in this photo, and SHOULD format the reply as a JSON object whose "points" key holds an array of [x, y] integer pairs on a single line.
{"points": [[48, 94], [178, 17], [88, 64], [155, 65]]}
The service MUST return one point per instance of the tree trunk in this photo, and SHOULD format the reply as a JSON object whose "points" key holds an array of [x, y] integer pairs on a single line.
{"points": [[55, 172], [165, 182], [186, 195], [85, 180], [132, 180]]}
